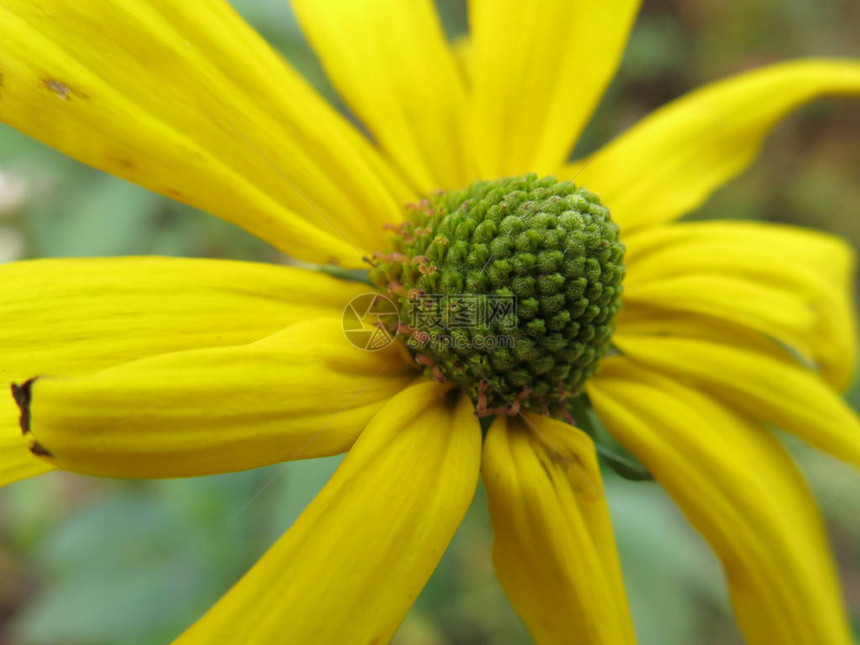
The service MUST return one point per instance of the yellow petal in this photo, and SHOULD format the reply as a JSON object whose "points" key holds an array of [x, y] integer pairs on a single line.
{"points": [[553, 549], [390, 61], [353, 563], [65, 317], [776, 270], [540, 69], [186, 100], [772, 311], [464, 52], [80, 315], [672, 161], [303, 392], [770, 388], [738, 487]]}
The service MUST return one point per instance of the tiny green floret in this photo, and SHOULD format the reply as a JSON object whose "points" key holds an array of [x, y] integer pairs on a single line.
{"points": [[508, 288]]}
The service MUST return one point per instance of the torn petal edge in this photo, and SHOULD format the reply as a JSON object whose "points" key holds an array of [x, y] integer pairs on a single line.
{"points": [[23, 395]]}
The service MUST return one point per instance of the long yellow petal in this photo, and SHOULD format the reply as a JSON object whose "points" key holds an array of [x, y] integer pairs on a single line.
{"points": [[769, 388], [351, 566], [739, 488], [672, 161], [79, 315], [391, 63], [303, 392], [69, 317], [811, 270], [186, 100], [760, 306], [540, 69], [553, 546]]}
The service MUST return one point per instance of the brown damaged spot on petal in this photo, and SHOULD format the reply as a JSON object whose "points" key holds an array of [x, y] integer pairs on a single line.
{"points": [[121, 163], [568, 461], [39, 450], [23, 395], [546, 468], [64, 91], [579, 475]]}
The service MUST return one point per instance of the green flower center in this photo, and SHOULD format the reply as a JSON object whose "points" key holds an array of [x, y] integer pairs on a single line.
{"points": [[509, 288]]}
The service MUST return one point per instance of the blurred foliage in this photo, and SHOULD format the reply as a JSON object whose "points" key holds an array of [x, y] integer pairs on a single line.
{"points": [[92, 561]]}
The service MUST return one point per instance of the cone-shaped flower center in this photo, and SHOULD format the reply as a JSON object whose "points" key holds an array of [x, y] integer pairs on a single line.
{"points": [[508, 288]]}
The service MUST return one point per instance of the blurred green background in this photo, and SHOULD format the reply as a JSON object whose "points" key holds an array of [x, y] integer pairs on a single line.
{"points": [[90, 561]]}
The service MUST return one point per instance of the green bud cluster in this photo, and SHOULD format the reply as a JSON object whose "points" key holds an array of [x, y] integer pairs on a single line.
{"points": [[548, 246]]}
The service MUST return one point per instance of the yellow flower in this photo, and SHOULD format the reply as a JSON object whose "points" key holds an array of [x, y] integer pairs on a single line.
{"points": [[156, 367]]}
